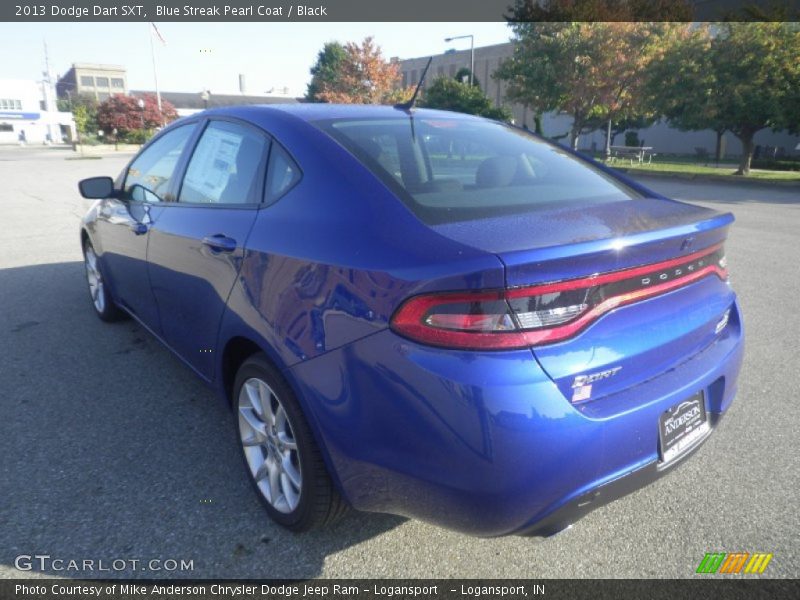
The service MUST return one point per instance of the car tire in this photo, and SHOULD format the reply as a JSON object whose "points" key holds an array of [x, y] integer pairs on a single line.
{"points": [[104, 306], [281, 457]]}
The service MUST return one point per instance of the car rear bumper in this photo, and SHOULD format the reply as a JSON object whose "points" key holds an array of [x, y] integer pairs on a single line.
{"points": [[573, 510], [484, 442]]}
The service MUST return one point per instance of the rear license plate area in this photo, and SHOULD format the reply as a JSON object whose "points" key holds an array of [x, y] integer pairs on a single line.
{"points": [[681, 426]]}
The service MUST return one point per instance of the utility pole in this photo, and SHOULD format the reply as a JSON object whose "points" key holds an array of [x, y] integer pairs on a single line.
{"points": [[155, 69], [47, 92], [471, 53]]}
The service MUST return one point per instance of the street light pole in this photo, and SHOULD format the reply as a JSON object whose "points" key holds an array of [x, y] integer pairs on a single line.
{"points": [[140, 104], [471, 53]]}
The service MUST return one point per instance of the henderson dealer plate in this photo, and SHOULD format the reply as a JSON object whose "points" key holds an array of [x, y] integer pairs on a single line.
{"points": [[681, 426]]}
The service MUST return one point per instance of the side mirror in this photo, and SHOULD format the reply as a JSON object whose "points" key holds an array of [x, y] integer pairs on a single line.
{"points": [[96, 188]]}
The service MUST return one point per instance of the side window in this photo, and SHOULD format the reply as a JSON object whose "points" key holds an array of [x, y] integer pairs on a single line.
{"points": [[149, 175], [225, 166], [282, 174]]}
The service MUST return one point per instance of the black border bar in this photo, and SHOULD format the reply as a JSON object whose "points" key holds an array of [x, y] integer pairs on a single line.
{"points": [[277, 11], [701, 586]]}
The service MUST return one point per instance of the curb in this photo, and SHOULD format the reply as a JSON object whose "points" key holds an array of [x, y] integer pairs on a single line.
{"points": [[102, 150], [736, 180]]}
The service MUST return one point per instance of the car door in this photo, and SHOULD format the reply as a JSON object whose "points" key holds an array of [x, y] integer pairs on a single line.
{"points": [[197, 242], [123, 223]]}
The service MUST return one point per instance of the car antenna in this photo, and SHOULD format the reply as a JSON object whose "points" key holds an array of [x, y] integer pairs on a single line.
{"points": [[410, 104]]}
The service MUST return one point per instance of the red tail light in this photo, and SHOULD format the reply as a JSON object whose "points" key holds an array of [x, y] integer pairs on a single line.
{"points": [[544, 314]]}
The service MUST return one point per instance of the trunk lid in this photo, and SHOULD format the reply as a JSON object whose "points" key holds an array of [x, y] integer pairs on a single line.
{"points": [[634, 342]]}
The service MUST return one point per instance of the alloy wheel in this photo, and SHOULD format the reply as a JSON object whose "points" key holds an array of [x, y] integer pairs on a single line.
{"points": [[269, 445], [95, 279]]}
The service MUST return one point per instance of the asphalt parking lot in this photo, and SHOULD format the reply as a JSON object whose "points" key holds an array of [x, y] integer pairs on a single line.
{"points": [[111, 449]]}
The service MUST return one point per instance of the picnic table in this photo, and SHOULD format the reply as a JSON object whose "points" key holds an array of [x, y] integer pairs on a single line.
{"points": [[640, 154]]}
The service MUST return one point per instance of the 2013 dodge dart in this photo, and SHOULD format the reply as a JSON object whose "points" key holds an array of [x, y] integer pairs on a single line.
{"points": [[422, 313]]}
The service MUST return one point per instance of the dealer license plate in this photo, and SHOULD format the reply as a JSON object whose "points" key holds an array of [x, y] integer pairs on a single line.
{"points": [[681, 426]]}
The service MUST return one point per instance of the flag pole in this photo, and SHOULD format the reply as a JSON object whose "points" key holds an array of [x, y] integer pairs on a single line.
{"points": [[155, 70]]}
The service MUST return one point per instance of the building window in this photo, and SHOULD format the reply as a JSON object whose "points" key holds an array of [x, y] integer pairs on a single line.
{"points": [[6, 127], [101, 82], [405, 78], [87, 81], [8, 104], [17, 105], [116, 82]]}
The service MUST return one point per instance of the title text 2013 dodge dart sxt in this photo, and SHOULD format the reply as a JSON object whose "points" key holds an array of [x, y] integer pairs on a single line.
{"points": [[422, 313]]}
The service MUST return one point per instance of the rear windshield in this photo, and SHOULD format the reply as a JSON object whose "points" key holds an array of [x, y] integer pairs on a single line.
{"points": [[459, 169]]}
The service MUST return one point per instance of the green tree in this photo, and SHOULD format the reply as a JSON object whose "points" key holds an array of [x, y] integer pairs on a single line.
{"points": [[84, 111], [682, 85], [594, 72], [739, 77], [448, 94], [325, 70], [601, 10]]}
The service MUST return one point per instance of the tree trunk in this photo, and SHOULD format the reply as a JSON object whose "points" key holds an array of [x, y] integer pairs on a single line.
{"points": [[574, 132], [537, 124], [718, 149], [747, 152]]}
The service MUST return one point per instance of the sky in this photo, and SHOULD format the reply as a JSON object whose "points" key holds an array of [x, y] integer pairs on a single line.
{"points": [[210, 56]]}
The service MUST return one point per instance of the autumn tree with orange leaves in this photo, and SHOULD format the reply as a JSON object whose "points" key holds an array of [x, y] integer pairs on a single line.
{"points": [[594, 72], [362, 76]]}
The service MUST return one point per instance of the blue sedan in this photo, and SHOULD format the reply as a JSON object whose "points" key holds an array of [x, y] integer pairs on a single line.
{"points": [[420, 312]]}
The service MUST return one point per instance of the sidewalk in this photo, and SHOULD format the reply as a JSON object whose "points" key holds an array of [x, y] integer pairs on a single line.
{"points": [[105, 149]]}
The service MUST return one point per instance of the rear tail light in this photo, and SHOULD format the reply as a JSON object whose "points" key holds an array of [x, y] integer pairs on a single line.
{"points": [[548, 313]]}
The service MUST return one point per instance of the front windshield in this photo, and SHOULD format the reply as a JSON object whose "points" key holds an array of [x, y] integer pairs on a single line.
{"points": [[451, 169]]}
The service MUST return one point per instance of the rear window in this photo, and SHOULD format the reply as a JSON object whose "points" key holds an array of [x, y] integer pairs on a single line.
{"points": [[459, 169]]}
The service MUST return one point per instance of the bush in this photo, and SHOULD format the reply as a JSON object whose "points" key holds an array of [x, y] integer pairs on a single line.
{"points": [[135, 136], [772, 164], [447, 94], [90, 139]]}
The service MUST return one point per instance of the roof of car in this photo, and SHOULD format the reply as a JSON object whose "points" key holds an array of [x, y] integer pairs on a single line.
{"points": [[319, 111]]}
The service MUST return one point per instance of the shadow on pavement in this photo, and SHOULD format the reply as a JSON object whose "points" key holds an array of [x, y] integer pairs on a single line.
{"points": [[113, 450]]}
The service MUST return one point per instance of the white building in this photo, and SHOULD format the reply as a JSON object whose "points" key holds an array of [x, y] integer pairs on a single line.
{"points": [[28, 106]]}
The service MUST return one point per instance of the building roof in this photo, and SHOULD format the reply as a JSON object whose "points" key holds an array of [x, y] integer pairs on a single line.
{"points": [[502, 47], [193, 100], [98, 67]]}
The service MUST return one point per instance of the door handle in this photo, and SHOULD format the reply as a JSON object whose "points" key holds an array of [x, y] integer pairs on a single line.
{"points": [[220, 243]]}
